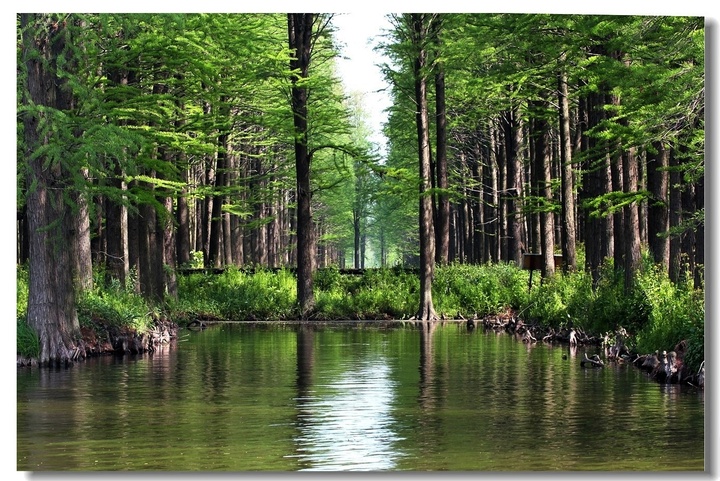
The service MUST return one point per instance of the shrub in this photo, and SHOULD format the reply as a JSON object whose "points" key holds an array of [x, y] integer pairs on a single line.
{"points": [[676, 313], [28, 343], [22, 291], [115, 305], [479, 290]]}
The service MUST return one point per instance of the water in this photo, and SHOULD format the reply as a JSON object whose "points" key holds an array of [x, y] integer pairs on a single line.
{"points": [[288, 398]]}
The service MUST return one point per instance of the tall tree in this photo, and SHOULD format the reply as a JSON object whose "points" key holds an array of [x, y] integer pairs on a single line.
{"points": [[46, 96], [442, 217], [568, 175], [300, 34], [420, 25]]}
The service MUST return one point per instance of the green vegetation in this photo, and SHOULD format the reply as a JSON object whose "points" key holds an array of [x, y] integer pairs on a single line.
{"points": [[115, 304], [658, 313]]}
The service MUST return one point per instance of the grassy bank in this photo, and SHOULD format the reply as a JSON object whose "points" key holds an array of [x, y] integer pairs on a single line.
{"points": [[657, 313]]}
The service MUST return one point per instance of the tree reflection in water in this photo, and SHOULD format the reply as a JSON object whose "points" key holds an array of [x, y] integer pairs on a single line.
{"points": [[344, 421]]}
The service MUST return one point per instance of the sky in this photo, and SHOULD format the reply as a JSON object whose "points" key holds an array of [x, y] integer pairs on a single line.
{"points": [[358, 67]]}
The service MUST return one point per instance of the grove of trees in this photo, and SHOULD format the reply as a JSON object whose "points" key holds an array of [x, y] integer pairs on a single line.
{"points": [[153, 142]]}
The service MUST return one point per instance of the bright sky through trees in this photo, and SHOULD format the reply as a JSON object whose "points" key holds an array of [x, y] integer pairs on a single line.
{"points": [[358, 33]]}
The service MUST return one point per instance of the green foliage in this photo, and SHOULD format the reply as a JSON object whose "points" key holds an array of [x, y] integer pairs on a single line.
{"points": [[613, 307], [22, 290], [560, 301], [658, 313], [376, 294], [115, 304], [236, 295], [478, 290], [196, 260], [28, 343], [676, 312]]}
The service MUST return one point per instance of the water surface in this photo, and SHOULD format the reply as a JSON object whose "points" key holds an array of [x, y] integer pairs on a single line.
{"points": [[291, 398]]}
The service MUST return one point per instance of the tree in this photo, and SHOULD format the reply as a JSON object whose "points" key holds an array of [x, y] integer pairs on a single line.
{"points": [[420, 25], [47, 109], [568, 174], [442, 217], [300, 34]]}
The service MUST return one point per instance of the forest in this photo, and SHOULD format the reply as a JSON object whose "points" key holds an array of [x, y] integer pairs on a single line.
{"points": [[149, 144]]}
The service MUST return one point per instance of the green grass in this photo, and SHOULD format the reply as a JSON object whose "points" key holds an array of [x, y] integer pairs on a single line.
{"points": [[657, 313]]}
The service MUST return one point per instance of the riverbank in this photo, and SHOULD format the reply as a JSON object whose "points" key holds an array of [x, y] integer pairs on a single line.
{"points": [[656, 316], [660, 366]]}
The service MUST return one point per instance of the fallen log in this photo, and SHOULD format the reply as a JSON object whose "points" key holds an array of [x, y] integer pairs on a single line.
{"points": [[593, 361]]}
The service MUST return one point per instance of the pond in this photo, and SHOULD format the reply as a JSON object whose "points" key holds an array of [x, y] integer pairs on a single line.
{"points": [[288, 397]]}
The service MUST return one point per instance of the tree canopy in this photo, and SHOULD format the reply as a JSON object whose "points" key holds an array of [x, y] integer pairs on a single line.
{"points": [[172, 140]]}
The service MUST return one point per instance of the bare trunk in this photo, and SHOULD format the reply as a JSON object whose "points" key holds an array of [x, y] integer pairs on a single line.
{"points": [[300, 28], [81, 255], [426, 310], [632, 220], [658, 205], [443, 203], [568, 184], [51, 300], [513, 187], [168, 251]]}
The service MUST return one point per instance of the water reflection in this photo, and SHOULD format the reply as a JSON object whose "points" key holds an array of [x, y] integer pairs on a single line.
{"points": [[344, 420], [431, 397]]}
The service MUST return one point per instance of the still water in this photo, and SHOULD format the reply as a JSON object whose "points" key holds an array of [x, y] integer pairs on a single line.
{"points": [[291, 398]]}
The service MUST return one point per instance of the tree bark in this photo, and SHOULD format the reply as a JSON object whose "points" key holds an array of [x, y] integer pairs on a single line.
{"points": [[79, 229], [169, 252], [658, 204], [513, 187], [182, 214], [597, 181], [632, 219], [300, 27], [675, 218], [426, 311], [51, 300], [442, 229], [215, 253], [568, 184], [542, 152]]}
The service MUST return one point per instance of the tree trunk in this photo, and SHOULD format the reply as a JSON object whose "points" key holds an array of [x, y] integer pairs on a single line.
{"points": [[442, 229], [182, 214], [51, 300], [151, 280], [426, 310], [216, 224], [675, 218], [597, 181], [568, 184], [136, 268], [687, 243], [81, 255], [169, 252], [542, 156], [632, 219], [618, 218], [513, 188], [300, 26]]}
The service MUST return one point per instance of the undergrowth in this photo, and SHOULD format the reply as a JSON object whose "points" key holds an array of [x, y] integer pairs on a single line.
{"points": [[656, 312]]}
